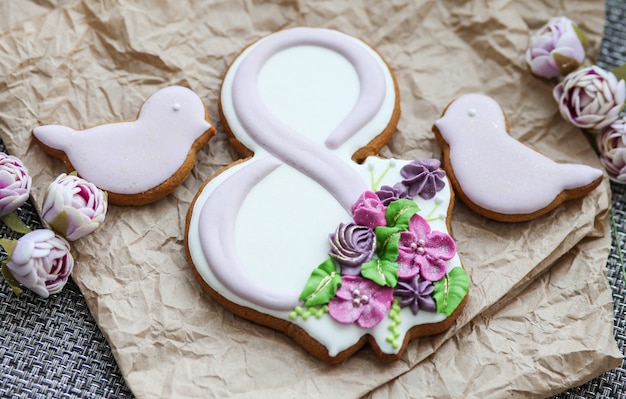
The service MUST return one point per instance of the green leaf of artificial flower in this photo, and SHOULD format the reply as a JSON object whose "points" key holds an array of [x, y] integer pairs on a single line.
{"points": [[13, 283], [399, 213], [620, 72], [8, 245], [380, 271], [59, 223], [16, 224], [584, 40], [564, 63], [450, 290], [322, 284]]}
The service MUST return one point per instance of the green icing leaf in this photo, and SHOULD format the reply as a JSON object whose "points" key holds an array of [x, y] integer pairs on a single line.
{"points": [[322, 284], [387, 242], [380, 271], [450, 290], [399, 213]]}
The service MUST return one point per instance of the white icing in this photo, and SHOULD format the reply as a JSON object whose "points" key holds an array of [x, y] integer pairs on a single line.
{"points": [[256, 224], [301, 93]]}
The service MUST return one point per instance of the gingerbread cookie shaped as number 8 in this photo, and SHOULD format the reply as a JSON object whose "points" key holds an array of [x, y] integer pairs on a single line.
{"points": [[308, 108]]}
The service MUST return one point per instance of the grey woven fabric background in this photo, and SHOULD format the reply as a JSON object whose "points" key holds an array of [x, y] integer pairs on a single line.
{"points": [[53, 348]]}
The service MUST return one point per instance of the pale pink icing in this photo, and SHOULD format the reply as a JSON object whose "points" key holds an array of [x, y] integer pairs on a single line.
{"points": [[497, 172], [314, 160], [217, 237], [133, 157], [286, 146]]}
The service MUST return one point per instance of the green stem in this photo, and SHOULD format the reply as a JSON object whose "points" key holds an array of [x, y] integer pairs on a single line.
{"points": [[429, 216], [372, 178], [382, 175]]}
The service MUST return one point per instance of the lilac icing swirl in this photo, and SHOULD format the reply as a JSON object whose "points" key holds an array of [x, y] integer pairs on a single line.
{"points": [[388, 194], [351, 245], [416, 293], [423, 178]]}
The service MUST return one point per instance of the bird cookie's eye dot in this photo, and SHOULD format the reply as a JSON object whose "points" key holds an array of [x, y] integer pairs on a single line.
{"points": [[471, 112], [176, 106]]}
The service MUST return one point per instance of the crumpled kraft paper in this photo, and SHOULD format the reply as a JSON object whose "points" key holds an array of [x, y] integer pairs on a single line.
{"points": [[539, 315]]}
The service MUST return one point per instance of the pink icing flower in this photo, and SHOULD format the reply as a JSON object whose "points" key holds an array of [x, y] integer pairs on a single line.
{"points": [[369, 211], [41, 261], [590, 98], [360, 300], [74, 207], [14, 184], [557, 49], [424, 251], [612, 147]]}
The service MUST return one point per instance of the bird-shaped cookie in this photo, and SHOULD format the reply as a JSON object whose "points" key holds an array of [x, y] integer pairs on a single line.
{"points": [[140, 161], [496, 175]]}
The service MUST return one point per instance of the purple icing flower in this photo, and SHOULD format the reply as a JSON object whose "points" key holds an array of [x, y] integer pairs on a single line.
{"points": [[557, 49], [41, 261], [14, 184], [424, 251], [612, 147], [360, 300], [352, 245], [416, 293], [369, 211], [423, 178], [590, 98], [388, 194], [74, 207]]}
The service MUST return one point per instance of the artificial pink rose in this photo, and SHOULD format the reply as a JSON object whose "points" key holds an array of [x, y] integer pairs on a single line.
{"points": [[423, 251], [74, 207], [590, 98], [557, 49], [41, 262], [360, 300], [14, 184], [612, 147], [369, 211]]}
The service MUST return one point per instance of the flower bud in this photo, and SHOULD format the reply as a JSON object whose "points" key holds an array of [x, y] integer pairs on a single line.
{"points": [[612, 148], [14, 184], [557, 49], [590, 98], [74, 207], [42, 262], [369, 211]]}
